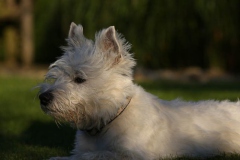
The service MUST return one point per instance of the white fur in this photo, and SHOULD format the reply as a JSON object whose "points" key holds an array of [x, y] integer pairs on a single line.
{"points": [[148, 128]]}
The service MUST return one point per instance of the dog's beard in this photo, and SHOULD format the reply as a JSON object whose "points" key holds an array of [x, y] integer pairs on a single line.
{"points": [[76, 116]]}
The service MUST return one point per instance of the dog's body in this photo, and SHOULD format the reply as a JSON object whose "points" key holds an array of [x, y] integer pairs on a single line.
{"points": [[167, 128], [116, 119]]}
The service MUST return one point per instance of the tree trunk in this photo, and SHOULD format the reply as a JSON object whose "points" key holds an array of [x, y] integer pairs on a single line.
{"points": [[27, 32], [11, 45]]}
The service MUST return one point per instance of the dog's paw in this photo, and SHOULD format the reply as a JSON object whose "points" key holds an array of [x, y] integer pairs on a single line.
{"points": [[59, 158]]}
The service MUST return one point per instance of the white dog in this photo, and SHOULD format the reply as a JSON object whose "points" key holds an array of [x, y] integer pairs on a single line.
{"points": [[91, 87]]}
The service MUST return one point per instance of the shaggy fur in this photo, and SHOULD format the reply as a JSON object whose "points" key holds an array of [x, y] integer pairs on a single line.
{"points": [[91, 88]]}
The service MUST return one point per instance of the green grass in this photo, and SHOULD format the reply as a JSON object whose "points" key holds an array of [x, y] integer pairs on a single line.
{"points": [[194, 91], [27, 133]]}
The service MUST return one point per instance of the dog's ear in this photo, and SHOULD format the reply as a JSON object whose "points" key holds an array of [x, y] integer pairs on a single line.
{"points": [[75, 35], [109, 43], [75, 31]]}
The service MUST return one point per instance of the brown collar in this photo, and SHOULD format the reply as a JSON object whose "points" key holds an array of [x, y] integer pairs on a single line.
{"points": [[95, 131]]}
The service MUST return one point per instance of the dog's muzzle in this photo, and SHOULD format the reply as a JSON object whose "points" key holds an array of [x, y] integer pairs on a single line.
{"points": [[46, 98]]}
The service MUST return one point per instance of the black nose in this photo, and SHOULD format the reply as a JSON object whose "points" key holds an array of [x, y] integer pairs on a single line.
{"points": [[46, 98]]}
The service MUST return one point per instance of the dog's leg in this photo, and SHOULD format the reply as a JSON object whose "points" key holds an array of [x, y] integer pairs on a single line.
{"points": [[105, 155], [60, 158], [98, 156]]}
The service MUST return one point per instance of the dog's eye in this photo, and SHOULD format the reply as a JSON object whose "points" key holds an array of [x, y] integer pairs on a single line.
{"points": [[50, 80], [79, 80]]}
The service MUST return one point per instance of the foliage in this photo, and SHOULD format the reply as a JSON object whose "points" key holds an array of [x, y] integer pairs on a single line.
{"points": [[173, 34]]}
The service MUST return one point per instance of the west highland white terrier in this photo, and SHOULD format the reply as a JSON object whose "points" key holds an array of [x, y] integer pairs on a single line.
{"points": [[91, 88]]}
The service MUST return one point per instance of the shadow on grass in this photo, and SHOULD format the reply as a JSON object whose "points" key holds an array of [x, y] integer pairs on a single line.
{"points": [[40, 141], [48, 134]]}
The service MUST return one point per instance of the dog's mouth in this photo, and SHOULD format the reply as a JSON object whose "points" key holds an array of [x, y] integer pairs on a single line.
{"points": [[47, 109]]}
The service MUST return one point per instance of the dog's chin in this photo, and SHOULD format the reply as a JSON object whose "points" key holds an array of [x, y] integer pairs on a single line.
{"points": [[69, 117], [80, 125]]}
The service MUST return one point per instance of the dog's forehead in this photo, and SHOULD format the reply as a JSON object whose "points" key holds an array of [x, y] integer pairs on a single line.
{"points": [[76, 63]]}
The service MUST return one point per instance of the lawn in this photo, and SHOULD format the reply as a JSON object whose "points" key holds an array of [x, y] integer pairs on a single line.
{"points": [[27, 133]]}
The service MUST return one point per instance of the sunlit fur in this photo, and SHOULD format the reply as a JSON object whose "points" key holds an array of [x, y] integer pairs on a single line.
{"points": [[149, 128]]}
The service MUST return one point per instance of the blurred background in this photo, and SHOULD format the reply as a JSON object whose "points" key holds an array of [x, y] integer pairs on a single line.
{"points": [[165, 34], [187, 49]]}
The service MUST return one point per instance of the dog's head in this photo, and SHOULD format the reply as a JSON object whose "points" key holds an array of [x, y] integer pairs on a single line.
{"points": [[89, 83]]}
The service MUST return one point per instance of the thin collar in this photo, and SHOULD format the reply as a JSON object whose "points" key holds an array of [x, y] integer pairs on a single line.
{"points": [[95, 131]]}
